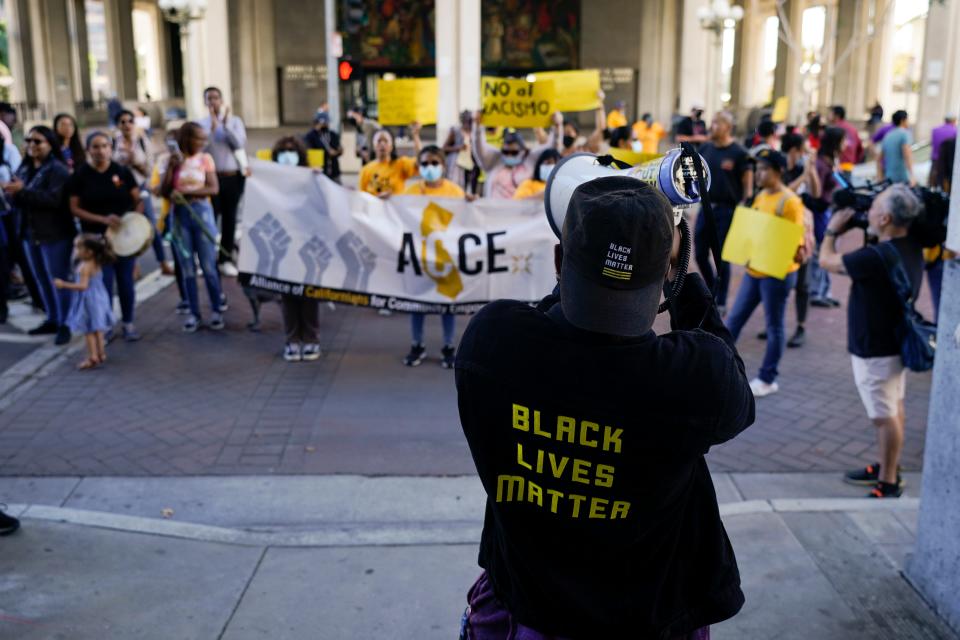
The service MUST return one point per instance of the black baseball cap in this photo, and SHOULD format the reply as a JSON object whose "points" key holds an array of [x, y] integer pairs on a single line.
{"points": [[617, 238], [773, 159]]}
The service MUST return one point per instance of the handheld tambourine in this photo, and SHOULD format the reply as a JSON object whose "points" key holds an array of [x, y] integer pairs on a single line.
{"points": [[681, 175]]}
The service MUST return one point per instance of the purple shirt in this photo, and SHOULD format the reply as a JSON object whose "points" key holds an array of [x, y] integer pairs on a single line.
{"points": [[879, 133], [940, 135]]}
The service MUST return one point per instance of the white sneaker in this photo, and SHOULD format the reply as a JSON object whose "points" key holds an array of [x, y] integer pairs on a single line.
{"points": [[761, 388], [229, 270]]}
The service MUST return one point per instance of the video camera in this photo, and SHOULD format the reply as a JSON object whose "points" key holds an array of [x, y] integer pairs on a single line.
{"points": [[930, 227]]}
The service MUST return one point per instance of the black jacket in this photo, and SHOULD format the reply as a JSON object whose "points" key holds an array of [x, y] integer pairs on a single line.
{"points": [[326, 140], [43, 203], [602, 520]]}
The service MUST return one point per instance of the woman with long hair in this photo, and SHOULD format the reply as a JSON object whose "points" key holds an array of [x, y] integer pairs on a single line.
{"points": [[37, 190], [189, 182], [68, 141]]}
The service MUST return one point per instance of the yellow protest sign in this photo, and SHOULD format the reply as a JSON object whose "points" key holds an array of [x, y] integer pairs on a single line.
{"points": [[632, 157], [264, 154], [762, 241], [516, 103], [781, 109], [407, 100], [315, 158], [574, 90]]}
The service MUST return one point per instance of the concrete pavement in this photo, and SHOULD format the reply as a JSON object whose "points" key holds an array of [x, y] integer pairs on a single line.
{"points": [[391, 557]]}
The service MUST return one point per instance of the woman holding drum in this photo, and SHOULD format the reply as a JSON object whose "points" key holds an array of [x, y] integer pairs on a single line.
{"points": [[101, 193]]}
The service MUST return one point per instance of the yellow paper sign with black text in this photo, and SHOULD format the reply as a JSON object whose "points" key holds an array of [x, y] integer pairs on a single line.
{"points": [[516, 103], [407, 100], [574, 90]]}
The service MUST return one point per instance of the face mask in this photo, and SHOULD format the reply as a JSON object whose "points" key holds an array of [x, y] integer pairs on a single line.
{"points": [[512, 161], [545, 171], [289, 158], [637, 146], [568, 141], [431, 173]]}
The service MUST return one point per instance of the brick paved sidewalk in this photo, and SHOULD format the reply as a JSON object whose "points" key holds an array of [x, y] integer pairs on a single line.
{"points": [[225, 403]]}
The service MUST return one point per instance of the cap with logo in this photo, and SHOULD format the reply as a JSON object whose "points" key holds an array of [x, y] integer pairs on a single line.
{"points": [[617, 238], [773, 159]]}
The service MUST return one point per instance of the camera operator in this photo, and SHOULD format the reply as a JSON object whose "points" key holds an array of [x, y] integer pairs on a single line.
{"points": [[589, 430], [874, 312]]}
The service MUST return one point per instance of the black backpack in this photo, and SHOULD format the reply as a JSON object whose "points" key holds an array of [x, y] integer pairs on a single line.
{"points": [[930, 227], [917, 337]]}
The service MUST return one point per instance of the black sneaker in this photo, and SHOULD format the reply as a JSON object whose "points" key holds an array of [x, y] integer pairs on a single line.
{"points": [[868, 476], [885, 490], [46, 329], [820, 303], [762, 335], [63, 336], [415, 357], [8, 524], [449, 355], [833, 302], [798, 339]]}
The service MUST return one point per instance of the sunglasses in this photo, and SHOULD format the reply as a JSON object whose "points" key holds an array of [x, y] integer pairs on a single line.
{"points": [[34, 141], [510, 152], [430, 163]]}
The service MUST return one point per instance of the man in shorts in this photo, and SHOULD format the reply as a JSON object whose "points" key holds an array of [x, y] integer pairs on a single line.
{"points": [[873, 315]]}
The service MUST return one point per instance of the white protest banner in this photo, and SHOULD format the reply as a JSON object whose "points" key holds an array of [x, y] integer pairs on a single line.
{"points": [[307, 236]]}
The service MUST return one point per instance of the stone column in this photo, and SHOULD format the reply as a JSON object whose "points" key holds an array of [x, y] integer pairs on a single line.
{"points": [[78, 19], [206, 59], [657, 81], [747, 59], [699, 65], [52, 65], [879, 69], [851, 60], [254, 52], [940, 83], [120, 48], [20, 46], [786, 78], [935, 566], [457, 60]]}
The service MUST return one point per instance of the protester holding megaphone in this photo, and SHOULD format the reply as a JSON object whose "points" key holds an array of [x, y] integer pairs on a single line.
{"points": [[513, 162], [601, 518]]}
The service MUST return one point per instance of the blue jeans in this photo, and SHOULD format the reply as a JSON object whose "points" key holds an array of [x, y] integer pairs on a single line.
{"points": [[122, 272], [416, 326], [723, 217], [773, 293], [150, 212], [194, 239], [49, 260]]}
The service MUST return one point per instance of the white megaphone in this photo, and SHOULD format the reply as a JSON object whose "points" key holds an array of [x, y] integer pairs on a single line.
{"points": [[672, 174]]}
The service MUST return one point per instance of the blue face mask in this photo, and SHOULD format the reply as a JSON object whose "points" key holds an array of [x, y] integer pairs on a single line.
{"points": [[431, 173], [545, 171], [512, 161], [289, 158]]}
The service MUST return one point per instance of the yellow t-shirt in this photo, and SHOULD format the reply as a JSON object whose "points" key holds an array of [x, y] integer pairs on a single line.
{"points": [[792, 211], [381, 177], [650, 136], [616, 119], [447, 189], [529, 187]]}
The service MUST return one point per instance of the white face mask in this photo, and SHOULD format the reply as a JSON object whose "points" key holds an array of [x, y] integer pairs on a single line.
{"points": [[545, 171], [637, 146], [289, 158]]}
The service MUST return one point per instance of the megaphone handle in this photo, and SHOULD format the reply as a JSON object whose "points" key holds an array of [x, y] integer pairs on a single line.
{"points": [[683, 264]]}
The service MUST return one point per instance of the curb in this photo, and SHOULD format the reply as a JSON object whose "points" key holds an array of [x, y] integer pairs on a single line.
{"points": [[367, 534]]}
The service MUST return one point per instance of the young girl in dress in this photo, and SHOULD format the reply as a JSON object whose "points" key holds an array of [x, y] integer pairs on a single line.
{"points": [[90, 311]]}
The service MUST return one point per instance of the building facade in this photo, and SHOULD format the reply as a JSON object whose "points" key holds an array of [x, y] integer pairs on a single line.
{"points": [[269, 56]]}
